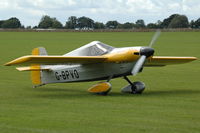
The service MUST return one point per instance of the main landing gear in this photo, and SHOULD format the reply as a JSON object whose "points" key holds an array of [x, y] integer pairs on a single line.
{"points": [[103, 88], [133, 87]]}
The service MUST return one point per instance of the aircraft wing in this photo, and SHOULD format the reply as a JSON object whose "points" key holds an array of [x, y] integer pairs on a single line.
{"points": [[55, 60], [58, 60], [167, 60]]}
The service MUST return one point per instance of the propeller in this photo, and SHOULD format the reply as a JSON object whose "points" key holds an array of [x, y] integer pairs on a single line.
{"points": [[154, 38], [145, 52]]}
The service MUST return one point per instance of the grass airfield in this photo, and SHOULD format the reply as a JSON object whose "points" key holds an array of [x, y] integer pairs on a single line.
{"points": [[170, 103]]}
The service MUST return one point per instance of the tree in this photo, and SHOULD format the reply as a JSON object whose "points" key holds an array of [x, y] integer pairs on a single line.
{"points": [[45, 22], [48, 22], [152, 26], [192, 24], [197, 23], [179, 21], [85, 23], [56, 24], [98, 25], [28, 27], [22, 27], [71, 23], [119, 26], [1, 22], [112, 24], [140, 23], [167, 21], [158, 24], [175, 21], [11, 23], [35, 27], [127, 25]]}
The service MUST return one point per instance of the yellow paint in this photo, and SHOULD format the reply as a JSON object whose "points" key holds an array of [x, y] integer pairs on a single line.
{"points": [[167, 60], [100, 88], [173, 57], [36, 51], [47, 60], [23, 68], [124, 56], [18, 60], [32, 68], [36, 75]]}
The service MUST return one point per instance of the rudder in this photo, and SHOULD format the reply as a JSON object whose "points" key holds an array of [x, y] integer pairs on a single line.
{"points": [[36, 75]]}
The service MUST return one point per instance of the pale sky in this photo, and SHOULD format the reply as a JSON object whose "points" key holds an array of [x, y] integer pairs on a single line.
{"points": [[30, 11]]}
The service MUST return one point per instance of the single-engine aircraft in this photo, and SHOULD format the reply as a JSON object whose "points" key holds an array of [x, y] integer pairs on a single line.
{"points": [[94, 61]]}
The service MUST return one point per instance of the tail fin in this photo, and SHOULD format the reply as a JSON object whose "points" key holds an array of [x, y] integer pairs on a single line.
{"points": [[36, 75], [39, 51]]}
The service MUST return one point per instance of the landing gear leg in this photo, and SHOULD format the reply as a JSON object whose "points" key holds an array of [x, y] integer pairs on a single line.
{"points": [[109, 78], [133, 88]]}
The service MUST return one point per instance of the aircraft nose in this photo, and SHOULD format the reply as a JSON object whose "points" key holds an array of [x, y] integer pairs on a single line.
{"points": [[147, 51]]}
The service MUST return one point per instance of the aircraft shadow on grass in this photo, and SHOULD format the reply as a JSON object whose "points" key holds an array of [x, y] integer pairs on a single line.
{"points": [[75, 93], [57, 93], [171, 93]]}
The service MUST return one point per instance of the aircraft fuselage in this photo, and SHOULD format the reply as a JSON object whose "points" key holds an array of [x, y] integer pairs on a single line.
{"points": [[89, 72]]}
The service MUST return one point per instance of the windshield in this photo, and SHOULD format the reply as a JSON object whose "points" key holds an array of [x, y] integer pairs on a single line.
{"points": [[98, 49]]}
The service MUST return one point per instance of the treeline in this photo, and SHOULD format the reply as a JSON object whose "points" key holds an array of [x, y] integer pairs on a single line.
{"points": [[86, 23]]}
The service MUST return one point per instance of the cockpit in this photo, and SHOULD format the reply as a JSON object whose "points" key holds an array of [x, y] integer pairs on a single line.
{"points": [[94, 48], [98, 49]]}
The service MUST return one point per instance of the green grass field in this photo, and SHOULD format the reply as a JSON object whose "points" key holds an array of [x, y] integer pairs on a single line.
{"points": [[170, 103]]}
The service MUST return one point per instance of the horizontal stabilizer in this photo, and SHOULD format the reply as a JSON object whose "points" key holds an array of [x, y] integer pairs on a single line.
{"points": [[32, 68], [167, 60], [56, 60]]}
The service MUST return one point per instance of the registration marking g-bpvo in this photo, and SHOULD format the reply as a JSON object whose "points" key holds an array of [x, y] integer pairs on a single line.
{"points": [[67, 74]]}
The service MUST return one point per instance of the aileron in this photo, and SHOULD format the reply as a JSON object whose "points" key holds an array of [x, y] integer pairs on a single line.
{"points": [[167, 60]]}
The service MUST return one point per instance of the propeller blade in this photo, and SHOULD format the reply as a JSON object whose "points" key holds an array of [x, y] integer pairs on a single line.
{"points": [[138, 65], [154, 38], [145, 52]]}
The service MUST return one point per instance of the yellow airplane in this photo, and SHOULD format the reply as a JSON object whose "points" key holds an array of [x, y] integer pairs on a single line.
{"points": [[92, 62]]}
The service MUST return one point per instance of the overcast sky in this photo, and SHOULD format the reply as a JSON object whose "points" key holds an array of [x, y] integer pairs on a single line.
{"points": [[30, 11]]}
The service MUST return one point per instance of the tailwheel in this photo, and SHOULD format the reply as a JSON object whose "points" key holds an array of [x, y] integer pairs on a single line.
{"points": [[133, 87]]}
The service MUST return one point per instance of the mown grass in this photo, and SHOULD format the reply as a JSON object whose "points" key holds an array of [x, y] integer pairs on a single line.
{"points": [[171, 102]]}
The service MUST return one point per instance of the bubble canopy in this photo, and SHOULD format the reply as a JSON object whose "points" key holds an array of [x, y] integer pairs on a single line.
{"points": [[94, 48]]}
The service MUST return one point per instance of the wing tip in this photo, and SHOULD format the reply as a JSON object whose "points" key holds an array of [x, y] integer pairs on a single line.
{"points": [[6, 64], [174, 57], [18, 60], [11, 63], [195, 58]]}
